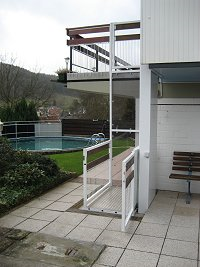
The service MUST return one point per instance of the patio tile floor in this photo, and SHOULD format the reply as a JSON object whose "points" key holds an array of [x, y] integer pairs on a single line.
{"points": [[167, 236]]}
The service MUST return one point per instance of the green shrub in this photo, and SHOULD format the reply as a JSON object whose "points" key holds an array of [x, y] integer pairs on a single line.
{"points": [[23, 176], [45, 164], [7, 156]]}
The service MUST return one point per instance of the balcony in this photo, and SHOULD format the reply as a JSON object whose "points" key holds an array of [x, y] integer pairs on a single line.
{"points": [[90, 53]]}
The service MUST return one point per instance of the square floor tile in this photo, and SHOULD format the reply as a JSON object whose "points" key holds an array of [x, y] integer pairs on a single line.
{"points": [[186, 212], [94, 221], [146, 243], [157, 207], [84, 234], [39, 203], [185, 221], [71, 185], [110, 256], [71, 198], [61, 190], [71, 218], [132, 258], [183, 233], [47, 215], [59, 206], [167, 194], [167, 261], [51, 196], [10, 220], [115, 225], [194, 203], [77, 192], [165, 200], [32, 225], [114, 238], [182, 249], [25, 211], [152, 229], [157, 217], [57, 229]]}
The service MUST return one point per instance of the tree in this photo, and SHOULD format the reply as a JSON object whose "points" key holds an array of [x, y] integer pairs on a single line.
{"points": [[91, 106], [17, 83], [20, 111]]}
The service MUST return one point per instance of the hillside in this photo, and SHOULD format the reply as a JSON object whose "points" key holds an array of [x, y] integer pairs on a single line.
{"points": [[17, 82]]}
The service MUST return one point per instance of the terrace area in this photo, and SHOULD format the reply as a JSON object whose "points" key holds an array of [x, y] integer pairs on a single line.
{"points": [[166, 235]]}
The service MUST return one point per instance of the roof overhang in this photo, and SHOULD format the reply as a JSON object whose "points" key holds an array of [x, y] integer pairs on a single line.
{"points": [[177, 72]]}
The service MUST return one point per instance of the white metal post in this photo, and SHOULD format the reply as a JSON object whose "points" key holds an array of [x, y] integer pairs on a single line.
{"points": [[111, 66], [85, 178], [123, 226]]}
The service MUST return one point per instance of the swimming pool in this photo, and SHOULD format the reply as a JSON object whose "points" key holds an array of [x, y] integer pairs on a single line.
{"points": [[50, 144]]}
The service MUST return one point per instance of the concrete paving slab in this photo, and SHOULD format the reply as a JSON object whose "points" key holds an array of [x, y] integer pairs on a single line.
{"points": [[47, 249], [94, 221], [39, 203], [115, 225], [57, 229], [152, 229], [25, 211], [47, 215], [10, 220], [181, 249], [167, 261], [146, 243], [71, 218], [110, 256], [32, 225], [114, 238], [84, 234], [59, 206], [132, 258], [183, 233]]}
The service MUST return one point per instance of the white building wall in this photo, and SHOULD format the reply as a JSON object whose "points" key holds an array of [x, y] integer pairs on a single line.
{"points": [[178, 129], [147, 137], [170, 31], [48, 129]]}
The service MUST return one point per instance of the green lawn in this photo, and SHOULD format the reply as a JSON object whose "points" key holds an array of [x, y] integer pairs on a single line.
{"points": [[73, 161]]}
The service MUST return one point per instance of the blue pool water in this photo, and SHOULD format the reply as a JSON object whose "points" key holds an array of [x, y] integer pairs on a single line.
{"points": [[49, 143]]}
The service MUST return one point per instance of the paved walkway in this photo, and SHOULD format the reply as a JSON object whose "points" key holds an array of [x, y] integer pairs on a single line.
{"points": [[167, 236]]}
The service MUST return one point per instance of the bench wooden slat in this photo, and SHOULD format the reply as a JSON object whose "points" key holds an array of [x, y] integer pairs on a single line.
{"points": [[189, 163], [187, 169], [184, 177], [181, 153], [186, 158]]}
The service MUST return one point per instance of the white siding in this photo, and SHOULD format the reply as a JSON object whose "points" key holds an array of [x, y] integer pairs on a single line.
{"points": [[170, 31], [147, 137], [48, 129], [178, 129]]}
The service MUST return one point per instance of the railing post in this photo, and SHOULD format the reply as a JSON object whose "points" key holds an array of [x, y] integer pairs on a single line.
{"points": [[123, 226], [85, 178], [15, 130]]}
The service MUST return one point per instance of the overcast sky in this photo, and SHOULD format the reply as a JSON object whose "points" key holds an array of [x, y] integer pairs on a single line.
{"points": [[33, 31]]}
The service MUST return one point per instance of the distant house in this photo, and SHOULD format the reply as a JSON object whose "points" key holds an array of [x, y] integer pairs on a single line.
{"points": [[50, 113]]}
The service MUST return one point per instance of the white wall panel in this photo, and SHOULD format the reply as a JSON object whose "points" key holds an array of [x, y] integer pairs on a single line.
{"points": [[170, 31], [178, 129]]}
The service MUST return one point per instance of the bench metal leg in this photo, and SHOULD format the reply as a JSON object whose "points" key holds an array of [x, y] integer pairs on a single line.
{"points": [[188, 198]]}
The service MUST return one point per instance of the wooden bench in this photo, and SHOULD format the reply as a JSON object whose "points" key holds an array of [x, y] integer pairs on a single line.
{"points": [[184, 165]]}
